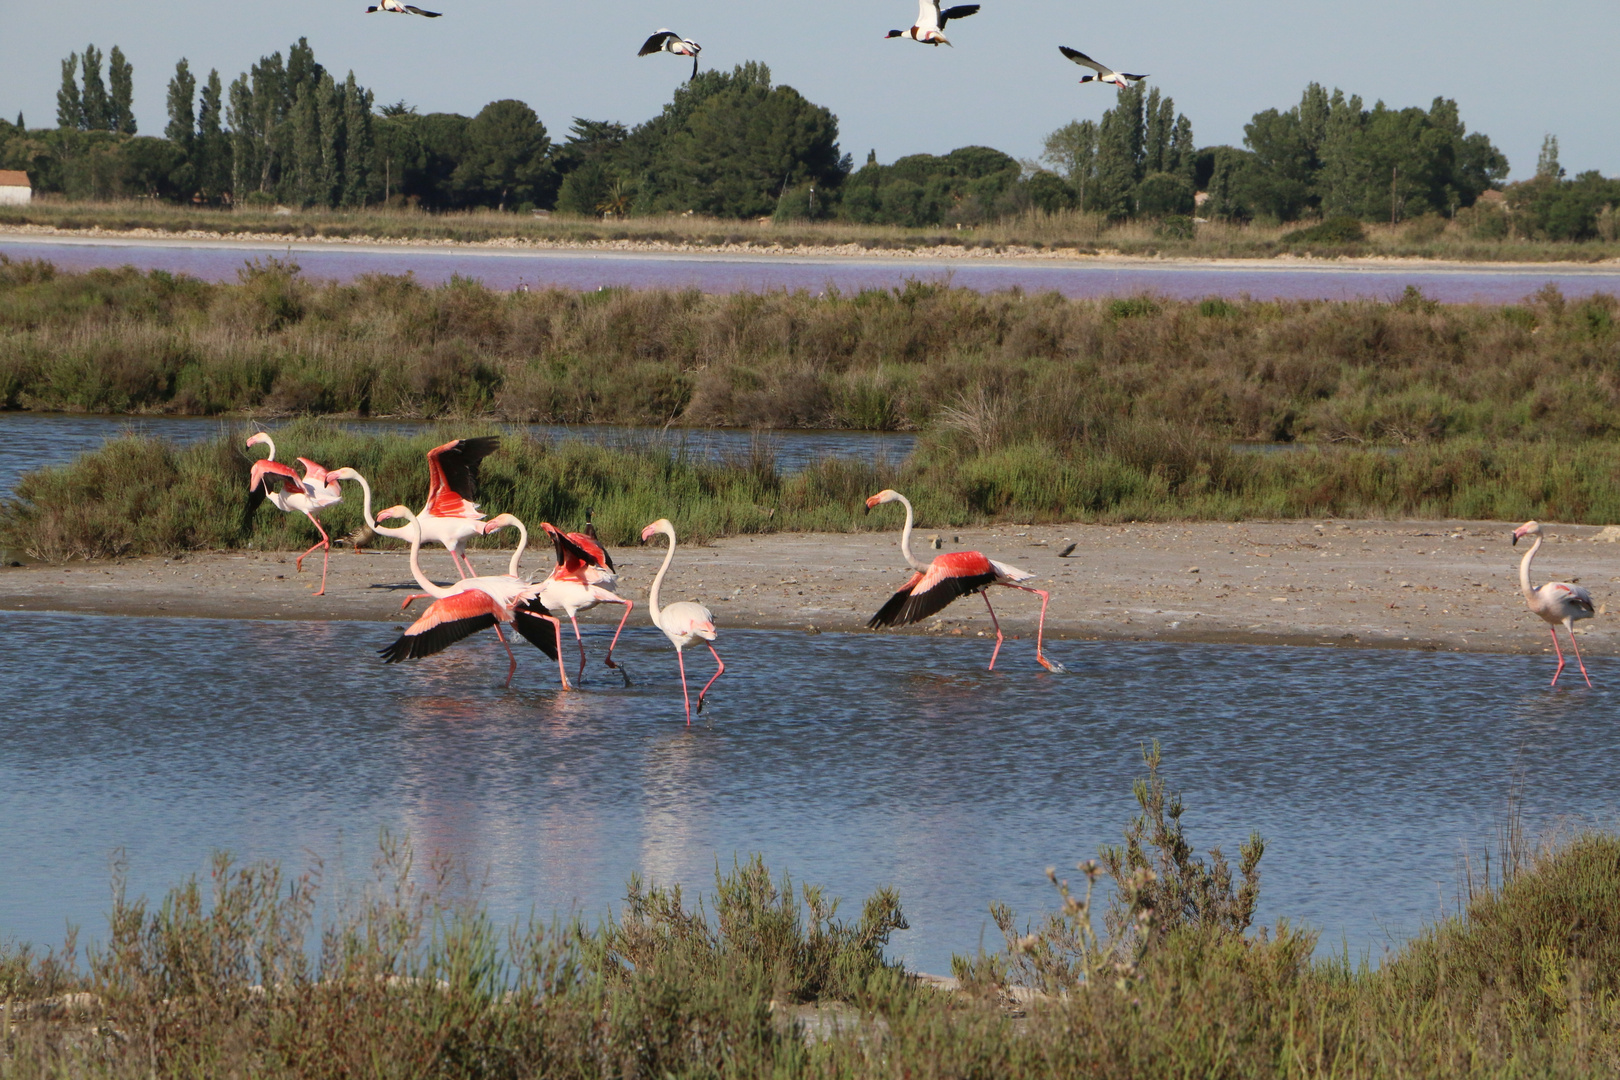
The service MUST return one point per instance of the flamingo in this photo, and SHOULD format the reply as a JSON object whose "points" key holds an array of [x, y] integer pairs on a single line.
{"points": [[472, 604], [930, 26], [683, 621], [1104, 74], [308, 495], [398, 8], [953, 574], [580, 582], [451, 517], [1556, 602], [669, 41]]}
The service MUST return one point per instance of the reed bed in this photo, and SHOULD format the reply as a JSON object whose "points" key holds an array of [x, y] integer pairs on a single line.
{"points": [[1407, 371], [1034, 230], [254, 971], [141, 496]]}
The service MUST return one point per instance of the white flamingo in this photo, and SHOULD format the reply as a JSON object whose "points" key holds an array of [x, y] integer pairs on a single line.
{"points": [[1556, 602], [929, 28], [580, 581], [1104, 74], [669, 41], [682, 622]]}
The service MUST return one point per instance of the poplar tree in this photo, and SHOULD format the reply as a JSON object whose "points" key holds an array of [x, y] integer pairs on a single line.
{"points": [[357, 152], [331, 113], [94, 94], [213, 145], [69, 104], [244, 140], [182, 127], [121, 98], [306, 148]]}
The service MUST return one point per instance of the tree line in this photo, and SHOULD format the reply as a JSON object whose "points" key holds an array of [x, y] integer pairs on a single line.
{"points": [[733, 144]]}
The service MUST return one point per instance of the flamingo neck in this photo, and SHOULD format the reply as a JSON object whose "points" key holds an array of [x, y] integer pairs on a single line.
{"points": [[658, 580], [905, 537], [523, 542], [416, 563], [365, 509], [270, 444], [1524, 570]]}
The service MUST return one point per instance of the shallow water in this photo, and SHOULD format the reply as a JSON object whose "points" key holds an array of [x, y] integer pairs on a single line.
{"points": [[889, 760], [503, 269], [31, 440]]}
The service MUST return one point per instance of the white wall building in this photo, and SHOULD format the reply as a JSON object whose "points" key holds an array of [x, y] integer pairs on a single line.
{"points": [[15, 190]]}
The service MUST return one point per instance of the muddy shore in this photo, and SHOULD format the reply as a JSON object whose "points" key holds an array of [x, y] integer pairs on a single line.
{"points": [[1413, 584]]}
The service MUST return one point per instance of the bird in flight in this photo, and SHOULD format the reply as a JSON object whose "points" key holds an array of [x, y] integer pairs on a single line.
{"points": [[669, 41], [1104, 74], [402, 9], [930, 26]]}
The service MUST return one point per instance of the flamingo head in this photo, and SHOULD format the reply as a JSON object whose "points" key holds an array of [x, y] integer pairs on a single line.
{"points": [[499, 522], [1529, 528], [662, 525], [255, 440], [344, 473], [884, 496], [395, 512]]}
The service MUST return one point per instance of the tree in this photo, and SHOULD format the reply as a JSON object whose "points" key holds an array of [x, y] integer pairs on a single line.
{"points": [[1120, 140], [94, 94], [358, 146], [1547, 162], [69, 104], [121, 98], [331, 113], [213, 145], [506, 160], [1072, 151], [182, 126]]}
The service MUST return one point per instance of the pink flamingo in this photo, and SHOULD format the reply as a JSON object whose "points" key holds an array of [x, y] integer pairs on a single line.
{"points": [[1556, 602], [308, 495], [474, 603], [580, 582], [954, 574], [681, 622]]}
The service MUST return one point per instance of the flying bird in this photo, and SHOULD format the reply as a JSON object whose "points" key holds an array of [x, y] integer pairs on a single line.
{"points": [[1120, 79], [402, 9], [956, 573], [581, 580], [930, 25], [1556, 602], [669, 41]]}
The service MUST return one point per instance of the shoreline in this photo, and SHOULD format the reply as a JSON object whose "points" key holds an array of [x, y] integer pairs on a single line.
{"points": [[1010, 254], [1427, 585]]}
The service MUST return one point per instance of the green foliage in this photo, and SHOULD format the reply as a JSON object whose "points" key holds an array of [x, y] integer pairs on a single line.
{"points": [[1336, 231], [506, 156], [966, 186]]}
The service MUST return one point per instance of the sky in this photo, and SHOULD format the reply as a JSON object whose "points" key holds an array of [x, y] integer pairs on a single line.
{"points": [[1517, 71]]}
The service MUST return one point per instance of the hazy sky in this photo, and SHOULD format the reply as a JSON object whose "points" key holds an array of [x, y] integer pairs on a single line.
{"points": [[1517, 70]]}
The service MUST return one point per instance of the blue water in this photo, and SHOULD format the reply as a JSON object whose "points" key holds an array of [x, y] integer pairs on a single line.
{"points": [[580, 270], [850, 760]]}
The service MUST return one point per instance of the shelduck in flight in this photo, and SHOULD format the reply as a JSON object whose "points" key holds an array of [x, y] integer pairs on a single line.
{"points": [[402, 9], [669, 41], [930, 27], [1104, 75]]}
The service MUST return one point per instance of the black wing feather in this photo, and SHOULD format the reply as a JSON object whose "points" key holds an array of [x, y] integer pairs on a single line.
{"points": [[656, 42], [906, 607], [961, 11], [539, 632], [460, 464], [566, 547], [434, 639]]}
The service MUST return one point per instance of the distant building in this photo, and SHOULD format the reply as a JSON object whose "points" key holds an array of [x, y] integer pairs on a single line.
{"points": [[15, 190]]}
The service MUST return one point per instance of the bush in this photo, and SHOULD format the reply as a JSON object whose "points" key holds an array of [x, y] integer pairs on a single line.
{"points": [[1336, 230]]}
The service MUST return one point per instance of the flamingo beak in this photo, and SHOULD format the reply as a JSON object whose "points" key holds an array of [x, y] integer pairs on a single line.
{"points": [[1515, 538]]}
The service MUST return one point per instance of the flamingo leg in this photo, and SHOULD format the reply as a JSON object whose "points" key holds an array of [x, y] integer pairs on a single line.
{"points": [[511, 667], [1040, 629], [1560, 653], [1577, 647], [997, 624], [561, 671], [581, 641], [681, 659], [628, 604], [413, 597], [719, 671], [326, 556]]}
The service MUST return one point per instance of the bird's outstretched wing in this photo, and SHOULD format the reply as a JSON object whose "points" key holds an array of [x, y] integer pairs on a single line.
{"points": [[530, 620], [443, 624], [925, 595], [1082, 59], [453, 473], [960, 11], [414, 10], [657, 42]]}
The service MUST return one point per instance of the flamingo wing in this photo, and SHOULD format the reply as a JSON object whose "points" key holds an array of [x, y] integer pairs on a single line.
{"points": [[539, 632], [453, 475], [1575, 596], [443, 624], [575, 551], [258, 479], [947, 578]]}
